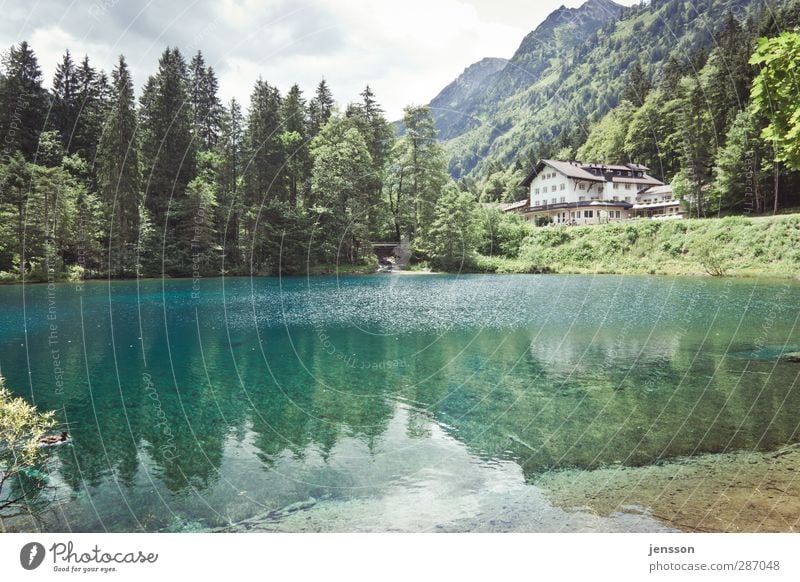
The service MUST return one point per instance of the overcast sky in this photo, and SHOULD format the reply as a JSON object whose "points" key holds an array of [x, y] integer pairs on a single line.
{"points": [[407, 50]]}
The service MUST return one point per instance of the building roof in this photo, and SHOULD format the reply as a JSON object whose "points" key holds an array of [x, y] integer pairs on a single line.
{"points": [[659, 190], [580, 171], [645, 181], [582, 204], [639, 206], [515, 205]]}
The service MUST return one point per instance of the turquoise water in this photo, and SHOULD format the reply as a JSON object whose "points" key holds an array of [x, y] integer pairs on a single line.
{"points": [[388, 402]]}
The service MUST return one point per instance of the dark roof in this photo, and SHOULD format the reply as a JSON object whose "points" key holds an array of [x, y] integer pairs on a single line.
{"points": [[580, 171], [569, 169], [515, 205], [645, 181]]}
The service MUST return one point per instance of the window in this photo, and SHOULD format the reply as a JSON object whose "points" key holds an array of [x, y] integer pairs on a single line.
{"points": [[553, 188], [563, 200], [536, 191], [617, 214], [552, 201], [563, 186], [600, 189], [627, 186], [582, 186], [588, 213], [581, 198], [616, 186], [616, 198], [627, 198]]}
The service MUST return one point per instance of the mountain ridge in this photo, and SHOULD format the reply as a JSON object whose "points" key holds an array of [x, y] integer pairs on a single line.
{"points": [[568, 72]]}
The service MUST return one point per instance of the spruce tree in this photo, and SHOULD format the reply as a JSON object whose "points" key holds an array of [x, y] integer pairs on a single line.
{"points": [[167, 148], [419, 173], [23, 102], [320, 108], [119, 180], [265, 153], [229, 209], [295, 141], [264, 184], [206, 106], [379, 137], [65, 108], [93, 102]]}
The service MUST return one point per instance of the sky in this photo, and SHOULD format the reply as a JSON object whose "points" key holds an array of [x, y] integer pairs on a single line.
{"points": [[406, 50]]}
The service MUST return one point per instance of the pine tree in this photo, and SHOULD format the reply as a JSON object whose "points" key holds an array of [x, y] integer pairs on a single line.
{"points": [[229, 210], [320, 108], [206, 106], [265, 154], [419, 172], [637, 85], [167, 148], [263, 174], [65, 107], [23, 102], [295, 141], [93, 103], [379, 137], [119, 180]]}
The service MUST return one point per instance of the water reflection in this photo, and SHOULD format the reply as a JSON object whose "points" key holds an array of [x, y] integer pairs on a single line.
{"points": [[200, 412]]}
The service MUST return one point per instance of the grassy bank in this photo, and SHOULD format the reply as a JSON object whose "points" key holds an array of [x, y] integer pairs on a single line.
{"points": [[733, 246]]}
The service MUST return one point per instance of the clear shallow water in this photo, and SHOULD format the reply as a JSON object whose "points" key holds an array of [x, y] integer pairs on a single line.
{"points": [[389, 402]]}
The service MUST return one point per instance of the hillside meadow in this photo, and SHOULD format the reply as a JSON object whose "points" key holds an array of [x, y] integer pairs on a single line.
{"points": [[732, 246]]}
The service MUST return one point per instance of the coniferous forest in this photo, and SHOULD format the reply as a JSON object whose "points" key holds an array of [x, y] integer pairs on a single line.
{"points": [[102, 180]]}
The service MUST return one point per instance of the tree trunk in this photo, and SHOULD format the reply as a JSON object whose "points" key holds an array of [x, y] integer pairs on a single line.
{"points": [[397, 206], [777, 185]]}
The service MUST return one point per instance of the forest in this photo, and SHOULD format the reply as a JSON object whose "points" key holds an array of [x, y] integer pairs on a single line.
{"points": [[99, 180], [97, 183]]}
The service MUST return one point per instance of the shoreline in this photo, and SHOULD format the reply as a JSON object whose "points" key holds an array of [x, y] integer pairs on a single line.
{"points": [[737, 492], [743, 276]]}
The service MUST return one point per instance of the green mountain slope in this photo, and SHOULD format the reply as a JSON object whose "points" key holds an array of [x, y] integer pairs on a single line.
{"points": [[569, 72]]}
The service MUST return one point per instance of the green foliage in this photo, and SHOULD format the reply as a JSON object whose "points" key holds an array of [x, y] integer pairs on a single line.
{"points": [[731, 246], [454, 235], [606, 140], [502, 232], [775, 95], [578, 68], [21, 428], [167, 148], [23, 101], [118, 177], [206, 106], [418, 174]]}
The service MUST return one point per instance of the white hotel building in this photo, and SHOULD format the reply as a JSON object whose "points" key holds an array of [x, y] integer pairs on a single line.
{"points": [[576, 193]]}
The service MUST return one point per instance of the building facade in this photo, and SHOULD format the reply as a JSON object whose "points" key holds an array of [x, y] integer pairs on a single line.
{"points": [[562, 192]]}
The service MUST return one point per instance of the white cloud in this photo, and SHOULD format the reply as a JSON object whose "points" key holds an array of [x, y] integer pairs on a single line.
{"points": [[407, 51]]}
